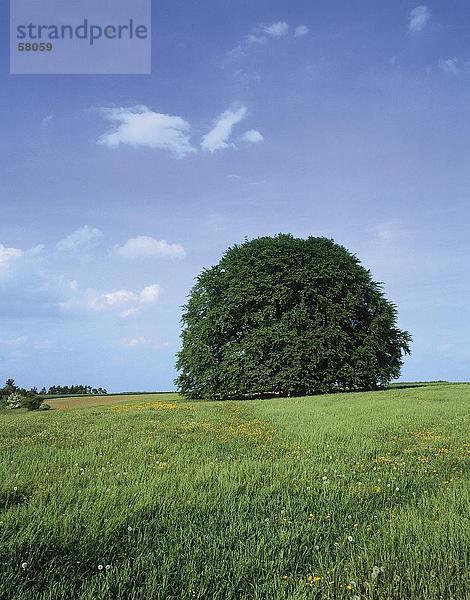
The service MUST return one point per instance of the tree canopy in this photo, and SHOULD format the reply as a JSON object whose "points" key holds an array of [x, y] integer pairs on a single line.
{"points": [[288, 316]]}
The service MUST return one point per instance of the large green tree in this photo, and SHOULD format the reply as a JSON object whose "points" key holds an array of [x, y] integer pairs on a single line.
{"points": [[288, 316]]}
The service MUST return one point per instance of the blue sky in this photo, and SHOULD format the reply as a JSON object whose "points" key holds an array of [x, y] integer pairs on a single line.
{"points": [[342, 119]]}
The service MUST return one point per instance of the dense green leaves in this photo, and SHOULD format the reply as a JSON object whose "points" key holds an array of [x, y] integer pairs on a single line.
{"points": [[288, 316]]}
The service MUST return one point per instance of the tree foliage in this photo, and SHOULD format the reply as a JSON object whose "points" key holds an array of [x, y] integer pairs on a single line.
{"points": [[288, 316]]}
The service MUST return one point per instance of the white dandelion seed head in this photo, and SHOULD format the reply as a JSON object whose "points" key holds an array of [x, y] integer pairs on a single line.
{"points": [[24, 565], [100, 567]]}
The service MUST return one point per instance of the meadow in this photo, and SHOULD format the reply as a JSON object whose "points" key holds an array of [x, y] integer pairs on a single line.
{"points": [[354, 496]]}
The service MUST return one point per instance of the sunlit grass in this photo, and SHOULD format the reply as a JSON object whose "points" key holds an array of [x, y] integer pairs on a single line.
{"points": [[346, 496]]}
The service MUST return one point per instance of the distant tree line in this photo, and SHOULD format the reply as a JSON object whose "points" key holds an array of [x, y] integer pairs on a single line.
{"points": [[13, 396], [67, 390]]}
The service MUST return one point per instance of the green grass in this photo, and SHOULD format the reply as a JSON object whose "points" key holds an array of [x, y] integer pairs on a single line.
{"points": [[351, 495]]}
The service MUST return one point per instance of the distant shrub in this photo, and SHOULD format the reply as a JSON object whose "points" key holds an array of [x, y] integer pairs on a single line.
{"points": [[32, 401], [28, 400], [44, 407], [14, 400]]}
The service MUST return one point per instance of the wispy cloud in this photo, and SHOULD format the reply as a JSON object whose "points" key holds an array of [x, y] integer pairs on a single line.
{"points": [[18, 341], [134, 342], [301, 30], [138, 341], [261, 34], [139, 126], [449, 66], [46, 121], [218, 136], [7, 257], [418, 18], [144, 246], [388, 232], [252, 136], [276, 30], [81, 241]]}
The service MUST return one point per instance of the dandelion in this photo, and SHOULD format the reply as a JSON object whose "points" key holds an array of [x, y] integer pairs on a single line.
{"points": [[15, 489], [100, 567], [24, 565], [313, 579], [325, 478], [350, 538], [108, 567], [317, 547]]}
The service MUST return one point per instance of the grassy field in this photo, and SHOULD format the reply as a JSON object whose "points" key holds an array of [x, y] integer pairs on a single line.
{"points": [[352, 496], [67, 403]]}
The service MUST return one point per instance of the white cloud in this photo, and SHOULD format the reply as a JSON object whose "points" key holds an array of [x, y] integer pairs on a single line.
{"points": [[144, 246], [449, 66], [117, 298], [253, 136], [275, 30], [134, 342], [149, 294], [127, 303], [301, 30], [7, 256], [418, 18], [140, 126], [217, 137], [80, 241]]}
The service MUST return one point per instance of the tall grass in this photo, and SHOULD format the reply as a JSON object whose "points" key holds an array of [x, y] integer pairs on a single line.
{"points": [[346, 496]]}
